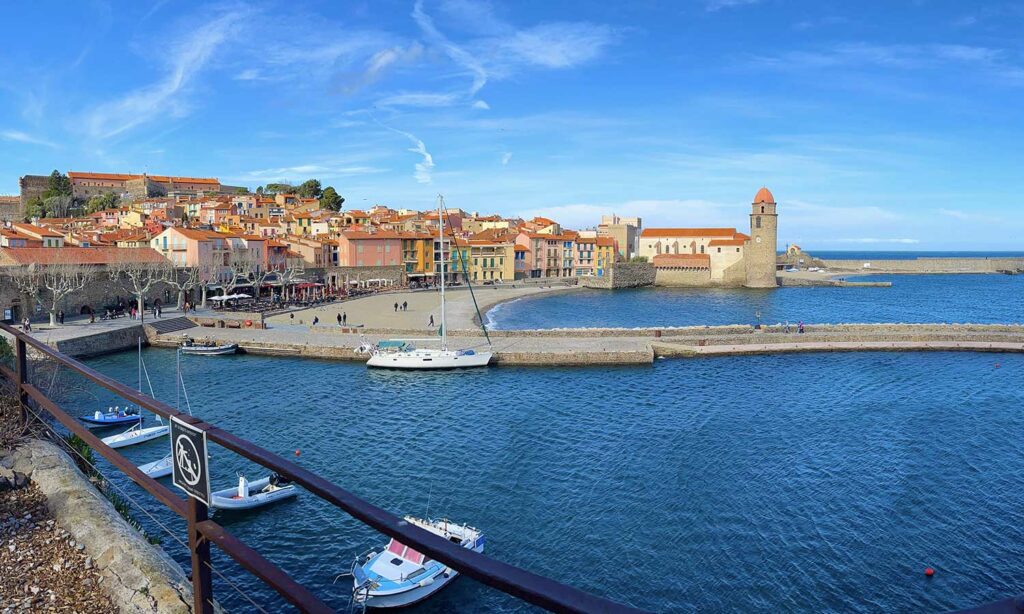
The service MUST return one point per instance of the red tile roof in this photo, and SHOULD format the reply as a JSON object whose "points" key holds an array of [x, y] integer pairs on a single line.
{"points": [[81, 255], [688, 232]]}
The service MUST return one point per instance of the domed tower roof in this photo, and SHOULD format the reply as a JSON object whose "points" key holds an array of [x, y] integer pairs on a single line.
{"points": [[764, 196]]}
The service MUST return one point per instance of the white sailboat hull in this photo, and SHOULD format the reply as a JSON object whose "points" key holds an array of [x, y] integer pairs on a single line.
{"points": [[428, 359], [157, 469], [134, 436]]}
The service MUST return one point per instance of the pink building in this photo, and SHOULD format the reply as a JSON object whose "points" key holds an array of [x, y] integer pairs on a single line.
{"points": [[361, 248], [191, 247]]}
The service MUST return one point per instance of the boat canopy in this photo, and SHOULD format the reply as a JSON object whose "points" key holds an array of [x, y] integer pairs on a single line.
{"points": [[406, 552], [392, 344]]}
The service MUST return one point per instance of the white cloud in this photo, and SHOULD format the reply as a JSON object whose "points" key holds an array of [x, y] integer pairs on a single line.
{"points": [[425, 166], [419, 99], [187, 58], [717, 5], [559, 45], [506, 158], [480, 104], [969, 217], [22, 137], [456, 53], [249, 74]]}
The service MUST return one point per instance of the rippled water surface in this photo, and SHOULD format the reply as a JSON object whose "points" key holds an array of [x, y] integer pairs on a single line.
{"points": [[984, 299], [802, 482]]}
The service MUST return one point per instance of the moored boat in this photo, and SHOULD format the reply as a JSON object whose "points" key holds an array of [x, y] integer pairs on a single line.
{"points": [[248, 495], [398, 576], [158, 468], [402, 354], [206, 348], [114, 416]]}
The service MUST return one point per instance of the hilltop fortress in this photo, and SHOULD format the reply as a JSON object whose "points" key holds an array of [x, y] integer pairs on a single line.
{"points": [[699, 257]]}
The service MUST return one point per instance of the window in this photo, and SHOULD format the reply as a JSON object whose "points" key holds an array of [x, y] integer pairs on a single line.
{"points": [[719, 250], [757, 221], [737, 250], [702, 249]]}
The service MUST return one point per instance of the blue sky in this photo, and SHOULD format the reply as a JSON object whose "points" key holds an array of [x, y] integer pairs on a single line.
{"points": [[878, 125]]}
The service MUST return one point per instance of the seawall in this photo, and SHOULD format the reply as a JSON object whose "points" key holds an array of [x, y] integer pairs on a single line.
{"points": [[929, 265], [104, 342], [587, 347]]}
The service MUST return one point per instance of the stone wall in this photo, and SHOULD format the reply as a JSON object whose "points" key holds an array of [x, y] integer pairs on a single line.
{"points": [[622, 275], [106, 342], [138, 576], [930, 265], [683, 278]]}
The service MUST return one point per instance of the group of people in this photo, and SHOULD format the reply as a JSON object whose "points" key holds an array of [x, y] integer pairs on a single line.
{"points": [[799, 327], [404, 306]]}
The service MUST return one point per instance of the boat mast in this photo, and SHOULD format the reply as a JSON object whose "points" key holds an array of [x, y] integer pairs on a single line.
{"points": [[444, 267]]}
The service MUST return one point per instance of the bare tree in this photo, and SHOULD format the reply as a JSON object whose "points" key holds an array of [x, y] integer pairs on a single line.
{"points": [[183, 279], [242, 265], [53, 282], [209, 272], [294, 269], [138, 274]]}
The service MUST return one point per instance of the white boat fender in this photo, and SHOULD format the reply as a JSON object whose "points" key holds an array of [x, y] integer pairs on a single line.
{"points": [[243, 487], [427, 581]]}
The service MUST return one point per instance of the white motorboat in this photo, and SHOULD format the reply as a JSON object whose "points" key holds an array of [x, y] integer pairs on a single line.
{"points": [[135, 435], [206, 348], [398, 576], [158, 468], [402, 354], [248, 495]]}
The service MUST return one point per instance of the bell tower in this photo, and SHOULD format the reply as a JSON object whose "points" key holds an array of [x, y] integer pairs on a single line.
{"points": [[760, 256]]}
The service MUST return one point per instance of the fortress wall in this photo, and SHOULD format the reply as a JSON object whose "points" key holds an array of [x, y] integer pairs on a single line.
{"points": [[683, 278]]}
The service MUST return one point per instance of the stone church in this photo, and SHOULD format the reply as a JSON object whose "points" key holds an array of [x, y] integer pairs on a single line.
{"points": [[696, 257]]}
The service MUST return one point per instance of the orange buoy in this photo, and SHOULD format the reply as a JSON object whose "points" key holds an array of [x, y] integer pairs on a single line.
{"points": [[248, 323], [297, 452], [929, 572]]}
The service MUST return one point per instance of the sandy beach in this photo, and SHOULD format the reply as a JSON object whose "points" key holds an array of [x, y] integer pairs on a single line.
{"points": [[378, 311]]}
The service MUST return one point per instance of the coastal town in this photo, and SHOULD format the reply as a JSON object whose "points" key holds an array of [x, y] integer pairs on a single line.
{"points": [[171, 241]]}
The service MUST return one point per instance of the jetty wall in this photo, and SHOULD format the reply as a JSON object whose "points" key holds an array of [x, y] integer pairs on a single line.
{"points": [[622, 275], [929, 265], [104, 342]]}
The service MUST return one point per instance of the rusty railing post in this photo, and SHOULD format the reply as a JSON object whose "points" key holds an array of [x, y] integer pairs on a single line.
{"points": [[202, 586], [21, 366]]}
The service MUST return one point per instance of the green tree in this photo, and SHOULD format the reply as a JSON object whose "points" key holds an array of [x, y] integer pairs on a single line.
{"points": [[310, 189], [242, 191], [330, 199], [279, 188], [57, 184], [35, 207], [259, 190], [100, 202]]}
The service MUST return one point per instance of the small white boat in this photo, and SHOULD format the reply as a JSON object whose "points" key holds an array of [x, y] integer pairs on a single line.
{"points": [[206, 348], [399, 576], [248, 495], [158, 468], [136, 434]]}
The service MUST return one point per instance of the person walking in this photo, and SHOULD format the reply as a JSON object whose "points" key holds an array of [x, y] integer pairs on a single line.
{"points": [[431, 320], [339, 319], [396, 306], [405, 305], [800, 328], [24, 325], [159, 311], [316, 320], [344, 318], [60, 317]]}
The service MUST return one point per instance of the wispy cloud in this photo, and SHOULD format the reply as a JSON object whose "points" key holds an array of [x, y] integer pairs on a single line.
{"points": [[506, 158], [187, 57], [305, 171], [559, 45], [457, 54], [967, 216], [717, 5], [425, 166], [420, 99], [22, 137]]}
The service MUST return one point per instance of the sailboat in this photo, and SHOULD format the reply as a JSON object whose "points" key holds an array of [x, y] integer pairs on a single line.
{"points": [[163, 467], [403, 354], [137, 433]]}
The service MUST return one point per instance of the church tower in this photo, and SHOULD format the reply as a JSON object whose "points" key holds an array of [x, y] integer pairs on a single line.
{"points": [[760, 256]]}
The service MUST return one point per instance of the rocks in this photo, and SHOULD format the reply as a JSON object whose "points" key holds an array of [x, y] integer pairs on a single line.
{"points": [[12, 480]]}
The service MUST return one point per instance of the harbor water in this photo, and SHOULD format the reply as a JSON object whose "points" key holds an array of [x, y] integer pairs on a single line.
{"points": [[768, 483], [963, 298]]}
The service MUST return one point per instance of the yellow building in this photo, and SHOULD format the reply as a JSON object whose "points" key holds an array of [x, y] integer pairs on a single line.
{"points": [[418, 256], [491, 260]]}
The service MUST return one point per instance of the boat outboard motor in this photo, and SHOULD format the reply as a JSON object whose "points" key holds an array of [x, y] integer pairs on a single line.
{"points": [[243, 487], [278, 480]]}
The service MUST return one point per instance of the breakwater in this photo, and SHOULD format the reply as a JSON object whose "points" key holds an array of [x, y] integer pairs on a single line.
{"points": [[587, 347], [929, 265]]}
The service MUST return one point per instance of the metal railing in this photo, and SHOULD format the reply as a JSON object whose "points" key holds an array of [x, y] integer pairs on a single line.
{"points": [[202, 532]]}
